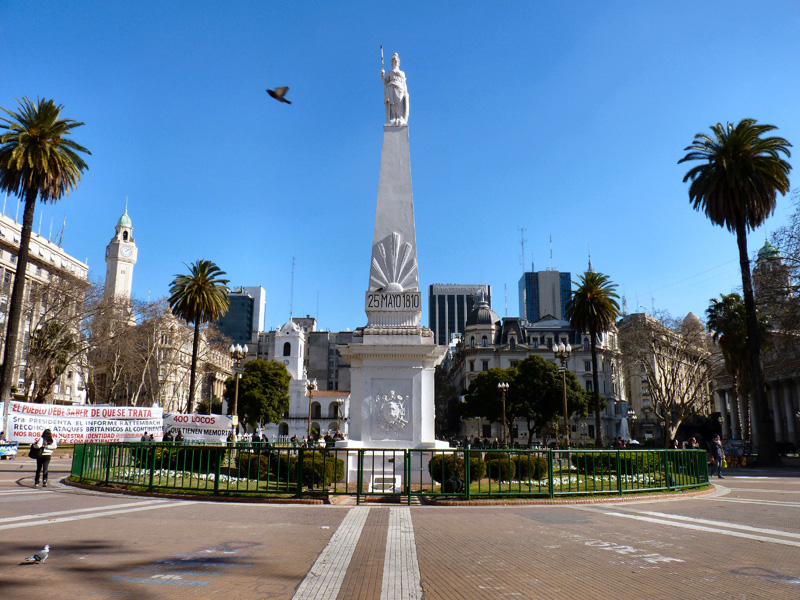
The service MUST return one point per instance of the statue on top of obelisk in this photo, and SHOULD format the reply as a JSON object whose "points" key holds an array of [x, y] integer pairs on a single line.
{"points": [[395, 92]]}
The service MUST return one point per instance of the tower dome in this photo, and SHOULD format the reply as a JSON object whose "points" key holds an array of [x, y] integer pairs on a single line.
{"points": [[767, 251], [482, 314], [124, 220]]}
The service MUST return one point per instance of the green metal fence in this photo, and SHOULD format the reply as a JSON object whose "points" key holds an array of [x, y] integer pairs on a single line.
{"points": [[264, 469]]}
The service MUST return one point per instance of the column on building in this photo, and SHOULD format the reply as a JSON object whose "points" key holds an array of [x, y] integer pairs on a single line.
{"points": [[736, 428], [777, 421], [722, 406]]}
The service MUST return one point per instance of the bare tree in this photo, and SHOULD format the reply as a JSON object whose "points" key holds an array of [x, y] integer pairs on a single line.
{"points": [[677, 362]]}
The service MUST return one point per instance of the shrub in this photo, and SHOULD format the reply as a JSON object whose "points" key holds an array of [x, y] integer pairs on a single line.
{"points": [[531, 466], [638, 461], [319, 469], [451, 466], [594, 463], [502, 469], [253, 466], [199, 459]]}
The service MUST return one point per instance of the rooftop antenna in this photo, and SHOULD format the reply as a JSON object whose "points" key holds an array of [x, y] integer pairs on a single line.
{"points": [[50, 235], [291, 292], [591, 269], [551, 252], [522, 243], [39, 232], [4, 204]]}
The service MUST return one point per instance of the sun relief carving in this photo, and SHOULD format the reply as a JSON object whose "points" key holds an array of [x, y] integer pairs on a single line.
{"points": [[394, 265]]}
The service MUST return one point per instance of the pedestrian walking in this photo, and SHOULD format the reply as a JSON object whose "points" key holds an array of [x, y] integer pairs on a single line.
{"points": [[46, 444], [718, 454]]}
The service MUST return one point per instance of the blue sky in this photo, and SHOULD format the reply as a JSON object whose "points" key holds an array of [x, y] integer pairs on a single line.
{"points": [[565, 119]]}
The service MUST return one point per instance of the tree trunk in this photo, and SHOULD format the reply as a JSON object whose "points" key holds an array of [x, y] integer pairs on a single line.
{"points": [[193, 372], [598, 429], [767, 449], [17, 298]]}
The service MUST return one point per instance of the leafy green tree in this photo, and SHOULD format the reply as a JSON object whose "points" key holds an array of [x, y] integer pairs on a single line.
{"points": [[534, 393], [484, 399], [736, 185], [37, 160], [209, 406], [263, 392], [593, 308], [199, 297], [537, 394]]}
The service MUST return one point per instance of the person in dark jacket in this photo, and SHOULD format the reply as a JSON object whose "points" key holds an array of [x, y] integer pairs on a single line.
{"points": [[47, 444], [718, 454]]}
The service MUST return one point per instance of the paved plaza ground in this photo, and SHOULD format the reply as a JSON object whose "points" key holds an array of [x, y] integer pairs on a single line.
{"points": [[741, 541]]}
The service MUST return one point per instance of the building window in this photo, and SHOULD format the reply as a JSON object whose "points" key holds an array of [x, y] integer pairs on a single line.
{"points": [[287, 349], [589, 388], [586, 346], [471, 366], [512, 344], [472, 342], [587, 365], [484, 341], [485, 365]]}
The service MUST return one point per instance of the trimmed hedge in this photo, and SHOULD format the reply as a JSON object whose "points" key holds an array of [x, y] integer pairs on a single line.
{"points": [[631, 462], [198, 459], [531, 466], [451, 466], [318, 469]]}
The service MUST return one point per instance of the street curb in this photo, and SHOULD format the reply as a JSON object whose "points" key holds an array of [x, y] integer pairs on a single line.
{"points": [[124, 492], [561, 501]]}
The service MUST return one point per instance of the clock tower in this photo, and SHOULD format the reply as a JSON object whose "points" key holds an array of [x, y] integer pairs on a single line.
{"points": [[120, 258]]}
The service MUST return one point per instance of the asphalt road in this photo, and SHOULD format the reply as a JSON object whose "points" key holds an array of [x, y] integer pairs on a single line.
{"points": [[740, 542]]}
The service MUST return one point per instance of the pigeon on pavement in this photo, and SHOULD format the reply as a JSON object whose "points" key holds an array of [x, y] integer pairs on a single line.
{"points": [[279, 94], [40, 556]]}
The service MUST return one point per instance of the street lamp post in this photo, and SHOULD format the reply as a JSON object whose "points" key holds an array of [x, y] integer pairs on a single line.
{"points": [[238, 353], [632, 416], [310, 387], [562, 353], [503, 387]]}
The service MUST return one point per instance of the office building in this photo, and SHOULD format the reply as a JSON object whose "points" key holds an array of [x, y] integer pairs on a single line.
{"points": [[543, 294], [449, 305], [245, 316]]}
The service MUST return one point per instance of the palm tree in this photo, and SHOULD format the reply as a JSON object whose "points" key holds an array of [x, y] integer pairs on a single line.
{"points": [[36, 161], [736, 186], [199, 297], [593, 307]]}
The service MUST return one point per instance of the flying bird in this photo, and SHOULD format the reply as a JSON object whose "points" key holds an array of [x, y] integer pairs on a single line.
{"points": [[40, 556], [279, 94]]}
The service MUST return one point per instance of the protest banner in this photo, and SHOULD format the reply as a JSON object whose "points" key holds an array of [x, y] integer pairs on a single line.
{"points": [[82, 424], [199, 428]]}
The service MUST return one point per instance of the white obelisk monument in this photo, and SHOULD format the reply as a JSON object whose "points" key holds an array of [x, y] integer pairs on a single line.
{"points": [[393, 358]]}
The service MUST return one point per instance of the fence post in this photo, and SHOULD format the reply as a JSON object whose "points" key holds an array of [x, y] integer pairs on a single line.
{"points": [[108, 452], [407, 473], [467, 473], [152, 462], [360, 476], [619, 472], [218, 454], [299, 470], [550, 488]]}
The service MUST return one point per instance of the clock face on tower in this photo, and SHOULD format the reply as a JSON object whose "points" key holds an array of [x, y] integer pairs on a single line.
{"points": [[126, 251]]}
